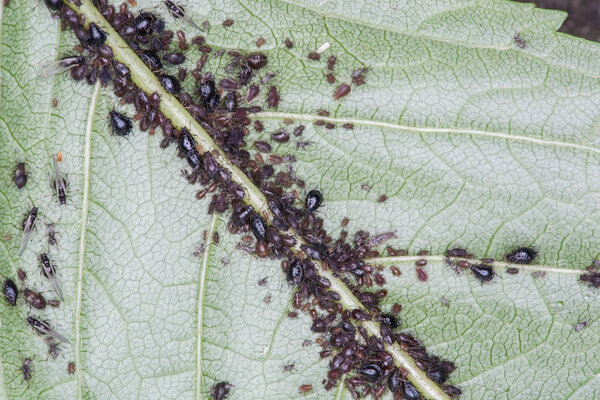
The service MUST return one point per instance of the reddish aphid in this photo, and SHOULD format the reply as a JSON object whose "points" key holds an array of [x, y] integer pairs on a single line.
{"points": [[421, 274], [305, 388], [342, 90]]}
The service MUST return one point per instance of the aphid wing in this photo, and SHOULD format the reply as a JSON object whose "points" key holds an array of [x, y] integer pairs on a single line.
{"points": [[56, 67], [190, 22], [57, 336], [24, 240], [56, 286]]}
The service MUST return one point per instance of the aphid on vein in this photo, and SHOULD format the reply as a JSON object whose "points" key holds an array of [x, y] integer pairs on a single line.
{"points": [[170, 83], [409, 391], [49, 271], [177, 11], [96, 36], [11, 292], [314, 199], [370, 371], [522, 255], [59, 183], [20, 175], [28, 225], [26, 369], [220, 391], [295, 273], [484, 273], [43, 328]]}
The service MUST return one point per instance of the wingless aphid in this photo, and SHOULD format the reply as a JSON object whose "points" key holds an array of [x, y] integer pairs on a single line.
{"points": [[59, 183], [49, 271], [28, 225], [43, 328], [177, 11]]}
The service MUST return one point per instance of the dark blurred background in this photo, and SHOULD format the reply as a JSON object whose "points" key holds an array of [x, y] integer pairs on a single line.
{"points": [[583, 19]]}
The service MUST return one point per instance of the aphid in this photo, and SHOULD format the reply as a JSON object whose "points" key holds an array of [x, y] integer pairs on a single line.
{"points": [[253, 92], [207, 88], [256, 60], [409, 391], [331, 62], [20, 175], [289, 367], [370, 371], [389, 320], [120, 124], [305, 388], [54, 4], [273, 97], [259, 228], [10, 292], [512, 271], [54, 303], [59, 183], [341, 91], [220, 391], [151, 60], [519, 40], [53, 348], [228, 23], [314, 56], [144, 23], [438, 374], [591, 278], [96, 36], [54, 102], [522, 255], [288, 43], [174, 58], [579, 326], [231, 101], [330, 78], [484, 273], [280, 136], [170, 83], [43, 328], [28, 225], [71, 368], [51, 234], [421, 274], [178, 11], [49, 271], [34, 299], [26, 369], [394, 381], [22, 275], [457, 252], [314, 199], [263, 281], [60, 66], [295, 273]]}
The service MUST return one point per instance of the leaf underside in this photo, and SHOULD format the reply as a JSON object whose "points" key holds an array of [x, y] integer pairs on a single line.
{"points": [[476, 142]]}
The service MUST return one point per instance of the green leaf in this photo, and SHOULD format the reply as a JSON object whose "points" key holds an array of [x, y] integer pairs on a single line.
{"points": [[476, 142]]}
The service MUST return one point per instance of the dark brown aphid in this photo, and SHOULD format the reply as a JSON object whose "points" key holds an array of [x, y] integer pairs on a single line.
{"points": [[28, 225], [71, 368], [59, 183], [484, 273], [152, 60], [260, 42], [170, 83], [370, 371], [409, 391], [330, 78], [22, 275], [382, 198], [331, 62], [174, 58], [305, 388], [20, 175], [288, 43], [421, 274], [228, 22], [314, 56], [10, 292], [262, 146], [253, 92], [256, 60], [54, 303], [273, 97], [512, 271], [457, 252], [341, 91], [27, 369], [522, 255], [280, 136], [34, 299], [220, 391]]}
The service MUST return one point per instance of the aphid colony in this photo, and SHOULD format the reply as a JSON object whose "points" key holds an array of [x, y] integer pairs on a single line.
{"points": [[225, 115], [33, 298]]}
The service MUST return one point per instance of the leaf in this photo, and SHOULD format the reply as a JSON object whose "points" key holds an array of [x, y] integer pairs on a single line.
{"points": [[475, 141]]}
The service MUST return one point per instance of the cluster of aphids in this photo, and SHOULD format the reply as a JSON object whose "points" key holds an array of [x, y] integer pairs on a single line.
{"points": [[219, 113], [47, 269]]}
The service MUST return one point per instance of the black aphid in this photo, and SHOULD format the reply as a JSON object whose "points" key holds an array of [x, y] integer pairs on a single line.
{"points": [[96, 36], [295, 273], [314, 199], [409, 391], [26, 369], [394, 381], [438, 375], [170, 83], [120, 124], [187, 145], [151, 60], [34, 299], [389, 320], [483, 272], [174, 58], [20, 175], [220, 391], [522, 255], [370, 371], [207, 88], [43, 328], [49, 271], [11, 292], [144, 23], [54, 4], [59, 183], [259, 227], [28, 225]]}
